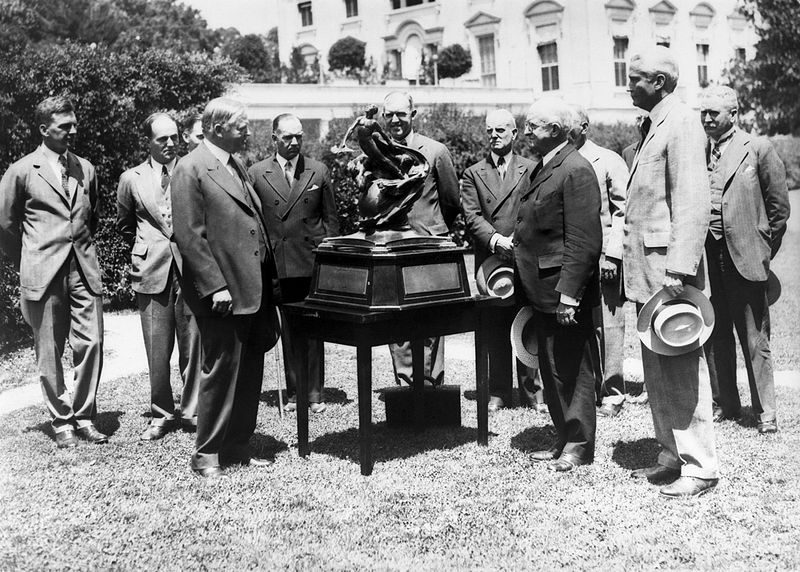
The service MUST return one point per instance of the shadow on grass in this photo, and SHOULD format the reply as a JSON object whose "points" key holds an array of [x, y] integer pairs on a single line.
{"points": [[634, 388], [637, 454], [390, 443], [516, 397], [329, 395], [106, 422], [534, 439], [266, 445]]}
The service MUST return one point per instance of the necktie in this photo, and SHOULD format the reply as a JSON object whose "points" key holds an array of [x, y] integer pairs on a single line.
{"points": [[287, 172], [167, 210], [645, 128], [716, 153], [164, 179], [501, 167], [62, 161]]}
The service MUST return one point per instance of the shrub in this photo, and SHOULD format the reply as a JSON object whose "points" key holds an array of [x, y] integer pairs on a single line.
{"points": [[113, 93], [347, 55], [788, 149], [454, 61]]}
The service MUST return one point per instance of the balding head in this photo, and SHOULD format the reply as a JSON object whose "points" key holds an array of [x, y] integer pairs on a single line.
{"points": [[547, 123], [719, 109], [652, 75], [502, 131], [287, 133]]}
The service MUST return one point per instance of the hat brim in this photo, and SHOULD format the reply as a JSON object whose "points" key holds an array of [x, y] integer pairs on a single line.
{"points": [[645, 318], [773, 288], [522, 330], [490, 267]]}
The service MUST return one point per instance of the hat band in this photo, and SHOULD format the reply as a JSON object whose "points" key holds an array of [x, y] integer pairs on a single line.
{"points": [[677, 323]]}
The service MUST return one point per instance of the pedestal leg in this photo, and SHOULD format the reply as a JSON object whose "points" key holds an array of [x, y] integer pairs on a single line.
{"points": [[302, 396], [364, 364], [418, 374], [482, 381]]}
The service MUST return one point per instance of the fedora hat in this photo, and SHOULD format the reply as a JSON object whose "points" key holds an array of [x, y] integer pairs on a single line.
{"points": [[773, 288], [523, 338], [673, 326], [495, 277]]}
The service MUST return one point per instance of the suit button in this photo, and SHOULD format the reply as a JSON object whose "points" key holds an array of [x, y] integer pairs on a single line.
{"points": [[305, 220], [277, 202], [488, 201], [519, 219], [305, 238], [494, 219], [284, 239], [252, 231], [256, 253], [305, 200], [515, 243], [523, 199]]}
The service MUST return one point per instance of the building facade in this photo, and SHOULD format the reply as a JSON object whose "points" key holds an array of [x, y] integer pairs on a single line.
{"points": [[577, 49]]}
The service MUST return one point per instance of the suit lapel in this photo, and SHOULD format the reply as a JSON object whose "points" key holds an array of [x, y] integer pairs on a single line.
{"points": [[547, 171], [146, 188], [46, 173], [650, 135], [276, 179], [734, 154], [491, 178], [218, 173], [299, 186]]}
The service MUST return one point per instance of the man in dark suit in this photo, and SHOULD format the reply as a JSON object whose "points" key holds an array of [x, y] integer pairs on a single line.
{"points": [[300, 211], [144, 218], [48, 216], [432, 214], [557, 243], [666, 220], [490, 191], [749, 209], [228, 272]]}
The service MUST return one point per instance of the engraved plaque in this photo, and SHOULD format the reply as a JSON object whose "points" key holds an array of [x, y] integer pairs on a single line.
{"points": [[431, 278], [344, 279]]}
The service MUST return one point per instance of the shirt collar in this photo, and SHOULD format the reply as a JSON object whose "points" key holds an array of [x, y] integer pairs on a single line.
{"points": [[156, 166], [659, 107], [51, 155], [409, 140], [496, 157], [549, 157], [221, 154], [725, 137], [283, 160]]}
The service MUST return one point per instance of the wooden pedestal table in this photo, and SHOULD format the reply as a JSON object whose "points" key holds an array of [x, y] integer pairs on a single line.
{"points": [[366, 329]]}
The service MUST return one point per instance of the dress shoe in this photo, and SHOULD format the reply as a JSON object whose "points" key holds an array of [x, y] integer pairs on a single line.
{"points": [[290, 407], [657, 473], [767, 427], [495, 404], [155, 432], [91, 434], [719, 415], [564, 464], [66, 439], [210, 472], [609, 409], [546, 454], [318, 407], [686, 487]]}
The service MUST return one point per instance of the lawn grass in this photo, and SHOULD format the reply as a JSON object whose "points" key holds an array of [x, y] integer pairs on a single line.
{"points": [[436, 500]]}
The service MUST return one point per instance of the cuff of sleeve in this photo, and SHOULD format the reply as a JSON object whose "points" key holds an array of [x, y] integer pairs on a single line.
{"points": [[493, 241], [569, 300]]}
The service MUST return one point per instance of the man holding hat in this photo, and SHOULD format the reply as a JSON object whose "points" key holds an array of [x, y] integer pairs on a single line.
{"points": [[557, 242], [490, 192], [749, 208], [666, 218]]}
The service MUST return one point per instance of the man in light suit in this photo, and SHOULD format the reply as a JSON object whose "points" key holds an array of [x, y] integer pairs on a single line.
{"points": [[227, 279], [144, 219], [300, 211], [48, 216], [749, 209], [490, 192], [432, 215], [192, 131], [666, 218], [557, 243], [612, 176]]}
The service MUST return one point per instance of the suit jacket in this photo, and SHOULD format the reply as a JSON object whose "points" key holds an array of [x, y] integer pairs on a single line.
{"points": [[612, 176], [39, 226], [216, 230], [667, 208], [629, 152], [438, 205], [558, 235], [141, 224], [755, 203], [489, 203], [297, 218]]}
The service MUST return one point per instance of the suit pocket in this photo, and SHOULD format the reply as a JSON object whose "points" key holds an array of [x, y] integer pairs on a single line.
{"points": [[550, 260], [656, 239], [139, 249]]}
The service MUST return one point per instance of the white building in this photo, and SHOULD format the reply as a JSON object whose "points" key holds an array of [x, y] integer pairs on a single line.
{"points": [[577, 49]]}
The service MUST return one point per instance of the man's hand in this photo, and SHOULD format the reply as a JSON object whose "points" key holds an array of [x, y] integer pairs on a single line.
{"points": [[673, 283], [565, 314], [609, 269], [221, 302], [504, 247]]}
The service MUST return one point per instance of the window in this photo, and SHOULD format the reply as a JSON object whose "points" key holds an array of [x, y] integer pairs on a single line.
{"points": [[548, 55], [664, 43], [702, 64], [306, 17], [620, 62], [351, 8], [740, 55], [397, 4], [486, 50]]}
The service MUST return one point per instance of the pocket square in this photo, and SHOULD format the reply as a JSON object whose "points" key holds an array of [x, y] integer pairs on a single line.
{"points": [[749, 169], [312, 188]]}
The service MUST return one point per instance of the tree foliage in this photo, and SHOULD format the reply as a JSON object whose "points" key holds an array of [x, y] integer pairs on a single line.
{"points": [[347, 55], [769, 84], [454, 61], [257, 55], [300, 71]]}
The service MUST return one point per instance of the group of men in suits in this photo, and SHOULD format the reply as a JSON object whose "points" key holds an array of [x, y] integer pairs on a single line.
{"points": [[215, 249]]}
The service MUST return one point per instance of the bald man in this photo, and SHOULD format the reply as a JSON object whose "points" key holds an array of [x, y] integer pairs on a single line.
{"points": [[557, 242], [490, 192], [300, 211], [612, 176], [432, 214], [666, 219], [749, 209]]}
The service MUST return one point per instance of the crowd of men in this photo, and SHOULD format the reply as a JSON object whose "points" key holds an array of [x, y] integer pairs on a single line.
{"points": [[217, 248]]}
